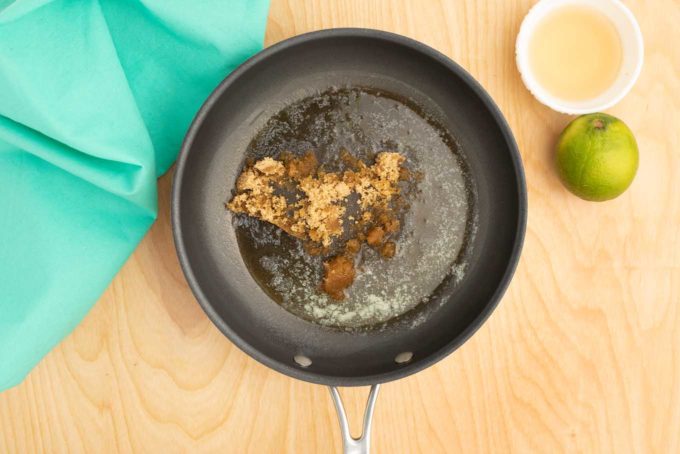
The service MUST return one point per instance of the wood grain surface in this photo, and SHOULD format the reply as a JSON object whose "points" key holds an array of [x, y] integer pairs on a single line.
{"points": [[582, 355]]}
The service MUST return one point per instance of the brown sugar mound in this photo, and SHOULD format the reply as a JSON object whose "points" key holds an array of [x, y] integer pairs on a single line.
{"points": [[307, 202], [338, 275]]}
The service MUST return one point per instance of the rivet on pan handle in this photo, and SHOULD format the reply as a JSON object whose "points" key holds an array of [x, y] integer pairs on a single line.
{"points": [[361, 445]]}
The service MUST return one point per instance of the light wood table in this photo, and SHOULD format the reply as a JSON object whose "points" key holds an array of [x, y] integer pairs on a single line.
{"points": [[582, 355]]}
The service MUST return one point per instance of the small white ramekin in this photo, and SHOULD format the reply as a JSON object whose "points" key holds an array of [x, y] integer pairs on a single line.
{"points": [[632, 55]]}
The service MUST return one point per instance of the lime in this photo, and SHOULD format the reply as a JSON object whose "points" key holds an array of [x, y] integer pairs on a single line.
{"points": [[597, 157]]}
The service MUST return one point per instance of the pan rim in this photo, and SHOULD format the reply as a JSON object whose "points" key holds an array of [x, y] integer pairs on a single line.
{"points": [[418, 364]]}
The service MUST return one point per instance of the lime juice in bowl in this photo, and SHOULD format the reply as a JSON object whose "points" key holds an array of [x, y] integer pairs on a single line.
{"points": [[579, 56]]}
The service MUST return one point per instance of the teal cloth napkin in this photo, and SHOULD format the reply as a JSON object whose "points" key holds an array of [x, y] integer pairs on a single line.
{"points": [[95, 98]]}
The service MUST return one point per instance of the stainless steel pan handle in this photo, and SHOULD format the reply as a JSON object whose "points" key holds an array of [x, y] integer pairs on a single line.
{"points": [[361, 445]]}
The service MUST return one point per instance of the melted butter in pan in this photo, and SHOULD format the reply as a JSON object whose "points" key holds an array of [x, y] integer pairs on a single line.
{"points": [[436, 228]]}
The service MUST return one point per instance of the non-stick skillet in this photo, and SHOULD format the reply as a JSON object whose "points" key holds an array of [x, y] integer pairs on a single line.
{"points": [[213, 154]]}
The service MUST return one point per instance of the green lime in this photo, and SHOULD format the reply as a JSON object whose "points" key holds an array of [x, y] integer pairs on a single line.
{"points": [[597, 157]]}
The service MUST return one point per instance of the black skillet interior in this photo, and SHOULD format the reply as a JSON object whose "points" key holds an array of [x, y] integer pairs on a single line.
{"points": [[211, 159]]}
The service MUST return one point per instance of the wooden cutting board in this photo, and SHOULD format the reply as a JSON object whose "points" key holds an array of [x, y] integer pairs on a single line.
{"points": [[582, 355]]}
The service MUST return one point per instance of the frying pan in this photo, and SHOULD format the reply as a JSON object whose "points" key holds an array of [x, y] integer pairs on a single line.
{"points": [[212, 156]]}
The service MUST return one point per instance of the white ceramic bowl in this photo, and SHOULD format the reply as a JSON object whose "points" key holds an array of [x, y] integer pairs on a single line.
{"points": [[631, 65]]}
